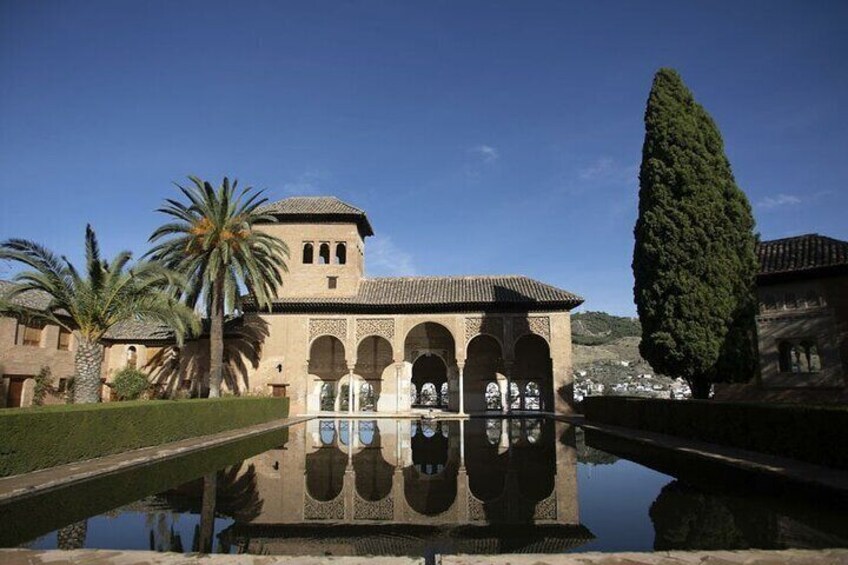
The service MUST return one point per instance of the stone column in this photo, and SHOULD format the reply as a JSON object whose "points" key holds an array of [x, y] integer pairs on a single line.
{"points": [[461, 365], [350, 389], [507, 406], [349, 482], [398, 371]]}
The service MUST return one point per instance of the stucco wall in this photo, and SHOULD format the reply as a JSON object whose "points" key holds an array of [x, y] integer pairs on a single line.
{"points": [[18, 360], [814, 310]]}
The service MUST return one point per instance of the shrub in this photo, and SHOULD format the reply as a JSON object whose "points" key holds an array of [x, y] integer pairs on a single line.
{"points": [[810, 433], [44, 436], [43, 381], [130, 384]]}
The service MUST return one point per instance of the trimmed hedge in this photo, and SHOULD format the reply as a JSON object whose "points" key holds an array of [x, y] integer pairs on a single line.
{"points": [[817, 434], [45, 436]]}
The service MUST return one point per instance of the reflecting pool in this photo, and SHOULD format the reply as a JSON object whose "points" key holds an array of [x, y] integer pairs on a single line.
{"points": [[419, 487]]}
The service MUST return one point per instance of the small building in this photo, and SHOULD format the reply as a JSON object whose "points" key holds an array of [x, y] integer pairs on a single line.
{"points": [[802, 325]]}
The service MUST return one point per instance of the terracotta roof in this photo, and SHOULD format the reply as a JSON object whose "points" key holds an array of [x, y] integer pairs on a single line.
{"points": [[142, 330], [399, 294], [300, 208], [129, 330], [801, 254], [35, 299]]}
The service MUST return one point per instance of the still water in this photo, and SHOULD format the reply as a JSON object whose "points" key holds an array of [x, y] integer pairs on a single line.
{"points": [[412, 487]]}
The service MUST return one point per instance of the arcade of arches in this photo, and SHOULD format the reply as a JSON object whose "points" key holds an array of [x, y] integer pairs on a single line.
{"points": [[430, 369]]}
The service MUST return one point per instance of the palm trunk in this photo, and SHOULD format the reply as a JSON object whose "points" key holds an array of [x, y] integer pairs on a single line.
{"points": [[207, 513], [216, 339], [88, 362]]}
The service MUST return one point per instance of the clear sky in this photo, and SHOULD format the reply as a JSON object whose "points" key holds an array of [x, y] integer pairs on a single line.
{"points": [[480, 137]]}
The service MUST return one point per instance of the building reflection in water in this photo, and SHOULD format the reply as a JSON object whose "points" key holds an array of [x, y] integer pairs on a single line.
{"points": [[356, 487]]}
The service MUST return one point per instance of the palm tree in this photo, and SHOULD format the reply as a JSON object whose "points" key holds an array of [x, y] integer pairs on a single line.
{"points": [[214, 244], [91, 303]]}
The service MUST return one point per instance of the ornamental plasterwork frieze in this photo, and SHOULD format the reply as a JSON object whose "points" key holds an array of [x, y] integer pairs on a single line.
{"points": [[374, 510], [476, 509], [477, 326], [383, 327], [317, 510], [336, 327], [546, 509], [539, 325]]}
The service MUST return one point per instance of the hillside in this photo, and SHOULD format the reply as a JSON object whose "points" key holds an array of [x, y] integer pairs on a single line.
{"points": [[606, 360], [598, 328]]}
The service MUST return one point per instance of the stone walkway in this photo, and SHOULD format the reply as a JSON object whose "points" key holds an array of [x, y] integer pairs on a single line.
{"points": [[748, 557], [20, 487], [799, 472]]}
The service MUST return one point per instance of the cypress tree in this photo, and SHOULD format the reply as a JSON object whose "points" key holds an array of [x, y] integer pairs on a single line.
{"points": [[694, 262]]}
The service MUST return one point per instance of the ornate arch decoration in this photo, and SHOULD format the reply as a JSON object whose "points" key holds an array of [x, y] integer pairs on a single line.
{"points": [[335, 327], [536, 325]]}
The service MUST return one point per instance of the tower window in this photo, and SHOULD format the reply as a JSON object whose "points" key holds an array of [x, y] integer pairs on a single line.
{"points": [[332, 282], [308, 253], [341, 254], [324, 254]]}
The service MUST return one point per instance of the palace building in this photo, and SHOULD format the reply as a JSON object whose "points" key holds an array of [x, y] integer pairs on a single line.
{"points": [[339, 341]]}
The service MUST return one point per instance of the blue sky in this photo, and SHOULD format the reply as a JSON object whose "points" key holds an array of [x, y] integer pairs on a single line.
{"points": [[480, 137]]}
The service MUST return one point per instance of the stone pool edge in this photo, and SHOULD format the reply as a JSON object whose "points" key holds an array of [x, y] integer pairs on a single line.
{"points": [[20, 487], [743, 557]]}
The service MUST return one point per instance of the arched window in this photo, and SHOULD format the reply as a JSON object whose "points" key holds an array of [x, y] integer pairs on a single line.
{"points": [[324, 254], [341, 254], [344, 432], [493, 396], [328, 397], [443, 396], [132, 357], [532, 396], [327, 431], [413, 395], [798, 357], [514, 396], [366, 431], [344, 398], [494, 428], [428, 396], [308, 253], [811, 356], [429, 428], [533, 430], [367, 398]]}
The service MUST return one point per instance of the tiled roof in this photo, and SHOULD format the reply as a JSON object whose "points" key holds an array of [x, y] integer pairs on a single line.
{"points": [[129, 330], [317, 207], [35, 299], [398, 294], [801, 254]]}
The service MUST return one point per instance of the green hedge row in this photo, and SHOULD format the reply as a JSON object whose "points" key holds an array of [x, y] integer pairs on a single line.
{"points": [[35, 438], [816, 434]]}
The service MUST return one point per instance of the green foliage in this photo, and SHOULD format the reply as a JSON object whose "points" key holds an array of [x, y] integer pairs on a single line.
{"points": [[809, 433], [212, 242], [42, 513], [43, 381], [693, 262], [130, 384], [35, 438], [598, 328], [93, 300]]}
